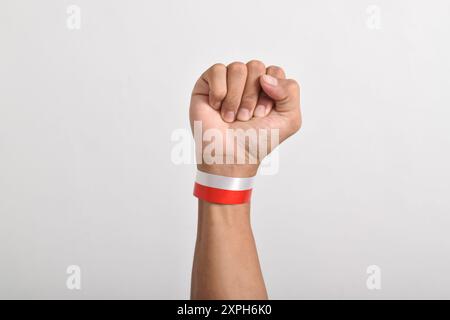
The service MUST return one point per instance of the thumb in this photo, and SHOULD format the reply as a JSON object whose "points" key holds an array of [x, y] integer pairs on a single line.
{"points": [[285, 92]]}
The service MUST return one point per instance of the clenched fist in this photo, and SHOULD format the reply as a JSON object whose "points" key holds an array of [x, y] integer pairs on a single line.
{"points": [[242, 98]]}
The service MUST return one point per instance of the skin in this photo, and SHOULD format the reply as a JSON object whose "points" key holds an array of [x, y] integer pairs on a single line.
{"points": [[237, 96]]}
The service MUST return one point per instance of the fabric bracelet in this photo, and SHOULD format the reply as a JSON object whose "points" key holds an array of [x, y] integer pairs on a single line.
{"points": [[221, 189]]}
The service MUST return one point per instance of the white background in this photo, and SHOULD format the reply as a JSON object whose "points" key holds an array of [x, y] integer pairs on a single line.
{"points": [[86, 117]]}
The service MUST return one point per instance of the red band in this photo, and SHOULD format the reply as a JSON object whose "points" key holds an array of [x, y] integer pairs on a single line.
{"points": [[221, 196]]}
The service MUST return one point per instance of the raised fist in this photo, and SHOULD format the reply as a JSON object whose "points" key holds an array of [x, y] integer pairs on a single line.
{"points": [[242, 98]]}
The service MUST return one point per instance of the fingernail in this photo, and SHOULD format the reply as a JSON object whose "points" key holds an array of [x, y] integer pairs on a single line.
{"points": [[260, 111], [270, 80], [243, 115], [229, 116]]}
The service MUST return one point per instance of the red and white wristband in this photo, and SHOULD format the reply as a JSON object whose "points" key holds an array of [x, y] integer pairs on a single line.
{"points": [[223, 190]]}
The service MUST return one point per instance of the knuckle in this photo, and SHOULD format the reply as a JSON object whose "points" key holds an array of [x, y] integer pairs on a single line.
{"points": [[293, 86], [237, 67], [256, 65], [217, 67], [219, 94], [276, 70], [213, 70]]}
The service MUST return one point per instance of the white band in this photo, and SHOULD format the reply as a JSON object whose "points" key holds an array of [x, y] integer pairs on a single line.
{"points": [[226, 183]]}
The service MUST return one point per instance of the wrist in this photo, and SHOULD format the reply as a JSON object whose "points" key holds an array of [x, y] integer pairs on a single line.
{"points": [[212, 214], [230, 170]]}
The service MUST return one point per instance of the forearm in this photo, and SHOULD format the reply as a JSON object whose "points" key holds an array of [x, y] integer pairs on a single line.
{"points": [[234, 110], [226, 264]]}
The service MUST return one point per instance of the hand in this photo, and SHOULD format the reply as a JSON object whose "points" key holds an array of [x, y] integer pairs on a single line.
{"points": [[243, 96]]}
